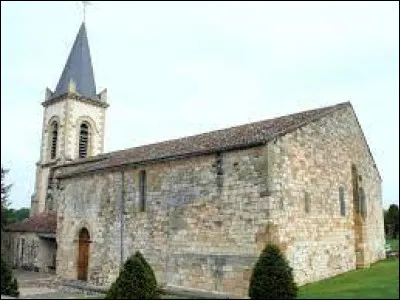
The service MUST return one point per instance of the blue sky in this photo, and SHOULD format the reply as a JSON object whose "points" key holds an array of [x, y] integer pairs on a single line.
{"points": [[181, 68]]}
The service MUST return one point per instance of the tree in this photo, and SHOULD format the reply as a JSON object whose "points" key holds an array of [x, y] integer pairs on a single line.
{"points": [[5, 188], [9, 284], [272, 277], [16, 215], [391, 220], [136, 280]]}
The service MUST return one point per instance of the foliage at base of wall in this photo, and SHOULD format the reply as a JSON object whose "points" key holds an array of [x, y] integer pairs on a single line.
{"points": [[136, 280], [272, 277], [9, 284]]}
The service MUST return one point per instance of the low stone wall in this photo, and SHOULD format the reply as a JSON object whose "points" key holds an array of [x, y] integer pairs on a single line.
{"points": [[220, 273]]}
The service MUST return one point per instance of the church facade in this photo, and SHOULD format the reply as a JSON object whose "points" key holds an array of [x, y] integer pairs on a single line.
{"points": [[200, 208]]}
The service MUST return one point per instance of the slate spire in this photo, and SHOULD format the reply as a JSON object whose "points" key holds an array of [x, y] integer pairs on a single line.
{"points": [[78, 74]]}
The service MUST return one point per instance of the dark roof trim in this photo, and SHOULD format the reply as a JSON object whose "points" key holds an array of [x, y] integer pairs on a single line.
{"points": [[74, 96], [46, 235]]}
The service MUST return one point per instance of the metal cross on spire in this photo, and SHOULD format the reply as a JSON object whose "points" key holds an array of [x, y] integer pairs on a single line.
{"points": [[85, 3]]}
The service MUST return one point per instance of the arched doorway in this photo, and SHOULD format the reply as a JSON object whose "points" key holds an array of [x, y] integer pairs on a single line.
{"points": [[83, 254]]}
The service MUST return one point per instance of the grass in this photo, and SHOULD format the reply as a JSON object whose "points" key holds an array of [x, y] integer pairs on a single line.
{"points": [[380, 281], [394, 243]]}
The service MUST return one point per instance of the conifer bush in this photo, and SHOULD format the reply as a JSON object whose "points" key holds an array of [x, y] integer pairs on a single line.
{"points": [[136, 280], [272, 277], [9, 284]]}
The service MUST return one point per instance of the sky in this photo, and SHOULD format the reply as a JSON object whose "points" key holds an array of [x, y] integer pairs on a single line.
{"points": [[173, 69]]}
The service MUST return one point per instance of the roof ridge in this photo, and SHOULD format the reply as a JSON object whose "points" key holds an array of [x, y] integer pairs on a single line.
{"points": [[228, 139], [225, 128]]}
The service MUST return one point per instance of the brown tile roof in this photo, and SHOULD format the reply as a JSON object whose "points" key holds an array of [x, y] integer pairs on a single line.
{"points": [[42, 222], [242, 136]]}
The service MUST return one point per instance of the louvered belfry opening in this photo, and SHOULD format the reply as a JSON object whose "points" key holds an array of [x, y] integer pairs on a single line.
{"points": [[83, 140], [54, 133]]}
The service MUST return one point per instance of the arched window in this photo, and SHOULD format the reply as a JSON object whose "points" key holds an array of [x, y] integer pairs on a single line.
{"points": [[83, 140], [53, 140]]}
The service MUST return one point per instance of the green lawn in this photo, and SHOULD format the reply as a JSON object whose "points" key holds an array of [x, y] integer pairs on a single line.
{"points": [[394, 243], [380, 281]]}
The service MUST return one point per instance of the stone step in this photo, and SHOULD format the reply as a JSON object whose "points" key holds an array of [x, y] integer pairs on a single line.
{"points": [[69, 285], [39, 282]]}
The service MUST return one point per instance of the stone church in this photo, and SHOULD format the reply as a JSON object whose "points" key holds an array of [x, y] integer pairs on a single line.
{"points": [[199, 208]]}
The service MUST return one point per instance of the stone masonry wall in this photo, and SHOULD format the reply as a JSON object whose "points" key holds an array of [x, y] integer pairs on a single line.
{"points": [[204, 231], [69, 113], [313, 162], [20, 249], [26, 250], [79, 111], [52, 112], [198, 229]]}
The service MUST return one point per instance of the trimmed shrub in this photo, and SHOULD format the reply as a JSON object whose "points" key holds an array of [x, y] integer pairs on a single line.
{"points": [[152, 276], [9, 284], [272, 277], [136, 280]]}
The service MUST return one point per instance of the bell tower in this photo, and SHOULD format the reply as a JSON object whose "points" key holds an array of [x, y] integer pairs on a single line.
{"points": [[73, 119]]}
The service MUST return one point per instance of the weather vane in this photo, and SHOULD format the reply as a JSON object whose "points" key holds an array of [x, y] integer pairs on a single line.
{"points": [[85, 3]]}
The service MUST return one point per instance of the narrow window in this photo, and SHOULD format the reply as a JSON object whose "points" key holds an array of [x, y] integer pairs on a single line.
{"points": [[342, 203], [306, 202], [83, 140], [363, 204], [22, 250], [54, 133], [354, 179], [142, 189], [218, 160]]}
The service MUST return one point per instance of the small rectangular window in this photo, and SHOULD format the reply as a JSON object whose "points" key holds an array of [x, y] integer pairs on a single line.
{"points": [[142, 189], [306, 202], [363, 203], [342, 203]]}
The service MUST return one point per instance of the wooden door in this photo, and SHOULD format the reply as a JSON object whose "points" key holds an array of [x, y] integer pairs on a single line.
{"points": [[83, 254]]}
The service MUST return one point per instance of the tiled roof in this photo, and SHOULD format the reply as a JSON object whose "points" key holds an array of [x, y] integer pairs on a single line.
{"points": [[42, 222], [243, 136]]}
